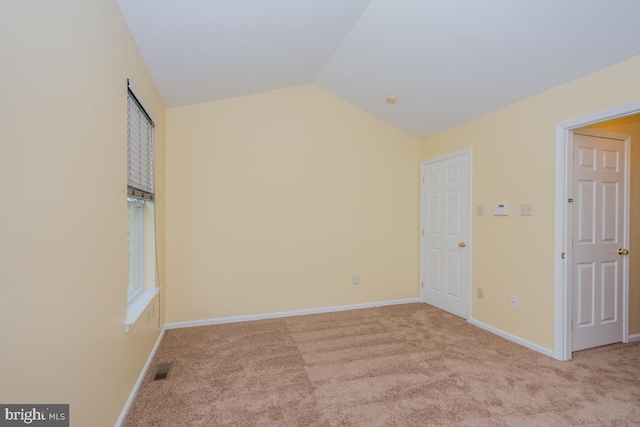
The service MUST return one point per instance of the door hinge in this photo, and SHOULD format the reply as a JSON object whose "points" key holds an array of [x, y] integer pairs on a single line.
{"points": [[562, 255], [422, 232], [421, 285], [572, 326], [570, 200]]}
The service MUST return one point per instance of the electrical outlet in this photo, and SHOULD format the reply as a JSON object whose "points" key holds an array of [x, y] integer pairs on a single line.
{"points": [[356, 280], [513, 302], [480, 210], [480, 293]]}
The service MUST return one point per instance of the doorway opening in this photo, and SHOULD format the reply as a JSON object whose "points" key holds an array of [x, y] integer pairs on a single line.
{"points": [[619, 119]]}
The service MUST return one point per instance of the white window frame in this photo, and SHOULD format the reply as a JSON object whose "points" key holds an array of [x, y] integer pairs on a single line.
{"points": [[140, 192]]}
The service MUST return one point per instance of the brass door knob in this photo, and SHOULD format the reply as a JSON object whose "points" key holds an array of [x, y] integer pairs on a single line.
{"points": [[623, 251], [462, 245]]}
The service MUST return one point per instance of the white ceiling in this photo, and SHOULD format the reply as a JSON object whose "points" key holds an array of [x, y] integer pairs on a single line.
{"points": [[447, 61]]}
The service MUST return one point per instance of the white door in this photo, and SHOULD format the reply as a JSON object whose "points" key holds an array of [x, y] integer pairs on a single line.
{"points": [[446, 228], [598, 270]]}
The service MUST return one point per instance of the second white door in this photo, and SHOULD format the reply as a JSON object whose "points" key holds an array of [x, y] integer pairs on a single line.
{"points": [[445, 233], [599, 267]]}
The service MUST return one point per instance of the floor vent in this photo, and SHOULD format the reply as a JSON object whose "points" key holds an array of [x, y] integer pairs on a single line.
{"points": [[162, 372]]}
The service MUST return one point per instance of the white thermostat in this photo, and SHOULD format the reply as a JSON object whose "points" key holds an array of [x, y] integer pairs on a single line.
{"points": [[501, 208]]}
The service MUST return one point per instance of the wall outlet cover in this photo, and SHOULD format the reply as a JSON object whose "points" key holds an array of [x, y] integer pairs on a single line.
{"points": [[513, 302]]}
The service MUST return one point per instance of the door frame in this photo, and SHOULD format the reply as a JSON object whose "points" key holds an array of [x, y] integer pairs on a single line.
{"points": [[562, 226], [423, 211]]}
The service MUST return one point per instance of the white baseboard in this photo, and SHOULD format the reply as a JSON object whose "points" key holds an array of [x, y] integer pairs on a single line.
{"points": [[634, 338], [247, 318], [136, 386], [546, 351]]}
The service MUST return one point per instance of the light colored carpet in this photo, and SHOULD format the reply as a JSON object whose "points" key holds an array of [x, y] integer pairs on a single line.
{"points": [[405, 365]]}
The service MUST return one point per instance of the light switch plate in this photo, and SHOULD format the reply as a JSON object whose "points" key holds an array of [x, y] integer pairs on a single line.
{"points": [[526, 209]]}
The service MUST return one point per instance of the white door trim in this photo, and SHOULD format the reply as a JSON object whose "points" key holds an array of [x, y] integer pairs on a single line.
{"points": [[465, 152], [561, 272]]}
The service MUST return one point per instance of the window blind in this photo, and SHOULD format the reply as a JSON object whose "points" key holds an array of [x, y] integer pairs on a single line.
{"points": [[139, 149]]}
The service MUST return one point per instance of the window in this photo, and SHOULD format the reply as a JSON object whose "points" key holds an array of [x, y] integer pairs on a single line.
{"points": [[139, 187], [135, 242], [141, 286]]}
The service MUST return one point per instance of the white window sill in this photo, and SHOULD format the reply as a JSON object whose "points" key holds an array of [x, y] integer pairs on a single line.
{"points": [[138, 306]]}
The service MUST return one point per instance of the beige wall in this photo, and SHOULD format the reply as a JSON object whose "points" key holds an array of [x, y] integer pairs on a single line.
{"points": [[631, 126], [514, 160], [275, 200], [63, 251]]}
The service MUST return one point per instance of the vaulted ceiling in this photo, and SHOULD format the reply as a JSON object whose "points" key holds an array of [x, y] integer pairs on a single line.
{"points": [[446, 61]]}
